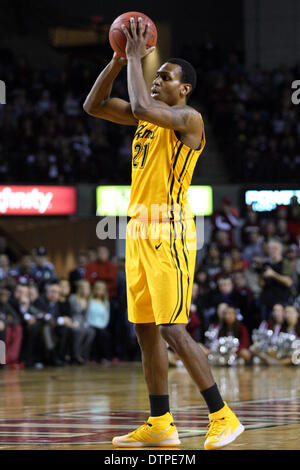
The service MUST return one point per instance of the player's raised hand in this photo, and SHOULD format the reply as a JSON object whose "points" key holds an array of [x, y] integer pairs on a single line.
{"points": [[137, 39]]}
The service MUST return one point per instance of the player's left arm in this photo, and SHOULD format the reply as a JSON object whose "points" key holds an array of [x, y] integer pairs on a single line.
{"points": [[181, 118]]}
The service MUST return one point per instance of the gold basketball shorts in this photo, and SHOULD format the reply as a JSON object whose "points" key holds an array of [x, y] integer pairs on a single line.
{"points": [[160, 264]]}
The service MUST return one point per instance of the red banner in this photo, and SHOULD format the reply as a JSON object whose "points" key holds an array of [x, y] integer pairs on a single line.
{"points": [[38, 200]]}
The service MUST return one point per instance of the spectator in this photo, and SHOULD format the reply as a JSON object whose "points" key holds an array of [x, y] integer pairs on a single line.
{"points": [[276, 321], [292, 324], [226, 293], [269, 230], [63, 302], [103, 270], [224, 241], [56, 327], [254, 247], [42, 271], [250, 225], [212, 261], [276, 324], [79, 272], [225, 220], [233, 327], [5, 269], [10, 330], [20, 302], [82, 334], [98, 313], [250, 312], [276, 279], [23, 273], [226, 266], [292, 327], [238, 262], [205, 286]]}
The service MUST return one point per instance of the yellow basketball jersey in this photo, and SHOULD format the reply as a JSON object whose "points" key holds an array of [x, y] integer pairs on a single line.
{"points": [[162, 170]]}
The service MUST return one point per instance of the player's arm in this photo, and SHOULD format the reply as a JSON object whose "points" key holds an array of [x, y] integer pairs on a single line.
{"points": [[99, 104], [181, 118]]}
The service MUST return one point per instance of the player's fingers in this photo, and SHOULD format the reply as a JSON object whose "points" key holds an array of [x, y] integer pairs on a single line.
{"points": [[146, 31], [133, 28], [139, 27], [125, 31]]}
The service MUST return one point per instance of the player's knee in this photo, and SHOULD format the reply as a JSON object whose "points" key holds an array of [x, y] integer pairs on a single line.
{"points": [[144, 332], [174, 335]]}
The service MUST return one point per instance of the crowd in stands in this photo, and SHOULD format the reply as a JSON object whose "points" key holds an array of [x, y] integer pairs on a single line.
{"points": [[247, 276], [47, 320], [46, 137], [254, 119], [49, 138]]}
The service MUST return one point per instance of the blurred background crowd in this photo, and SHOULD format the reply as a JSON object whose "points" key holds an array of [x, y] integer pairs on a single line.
{"points": [[247, 274], [251, 113], [255, 121], [46, 137], [247, 277]]}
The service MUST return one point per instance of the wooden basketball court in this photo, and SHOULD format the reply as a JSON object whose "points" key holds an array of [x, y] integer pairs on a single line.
{"points": [[83, 407]]}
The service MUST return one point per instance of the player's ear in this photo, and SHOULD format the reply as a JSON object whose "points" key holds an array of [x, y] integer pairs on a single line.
{"points": [[186, 88]]}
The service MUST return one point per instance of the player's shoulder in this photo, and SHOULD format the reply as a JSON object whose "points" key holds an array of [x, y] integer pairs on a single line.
{"points": [[188, 111]]}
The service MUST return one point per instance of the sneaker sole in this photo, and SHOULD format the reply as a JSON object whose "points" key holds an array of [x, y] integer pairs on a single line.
{"points": [[147, 444], [218, 445]]}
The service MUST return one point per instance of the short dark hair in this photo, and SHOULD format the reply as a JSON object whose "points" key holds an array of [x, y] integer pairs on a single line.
{"points": [[188, 72]]}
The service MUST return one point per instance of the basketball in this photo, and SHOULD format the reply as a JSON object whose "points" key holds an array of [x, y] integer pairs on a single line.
{"points": [[118, 39]]}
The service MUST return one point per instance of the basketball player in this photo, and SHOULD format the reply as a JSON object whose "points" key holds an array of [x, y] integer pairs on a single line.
{"points": [[160, 257]]}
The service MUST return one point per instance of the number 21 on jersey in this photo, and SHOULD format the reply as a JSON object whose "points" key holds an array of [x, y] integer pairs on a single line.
{"points": [[140, 155]]}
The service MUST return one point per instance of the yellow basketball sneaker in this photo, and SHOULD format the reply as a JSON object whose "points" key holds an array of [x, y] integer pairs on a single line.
{"points": [[158, 431], [224, 428]]}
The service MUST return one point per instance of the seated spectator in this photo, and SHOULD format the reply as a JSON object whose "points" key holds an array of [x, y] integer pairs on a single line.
{"points": [[233, 327], [225, 220], [238, 262], [283, 234], [269, 230], [63, 301], [103, 270], [205, 286], [253, 248], [79, 272], [226, 293], [92, 254], [276, 323], [98, 314], [251, 224], [23, 272], [56, 326], [5, 269], [224, 242], [212, 261], [293, 217], [42, 270], [226, 266], [291, 326], [20, 302], [215, 325], [10, 330], [82, 334], [292, 323], [251, 315]]}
